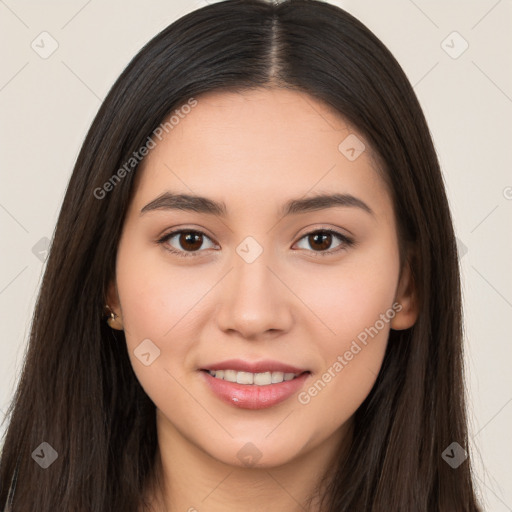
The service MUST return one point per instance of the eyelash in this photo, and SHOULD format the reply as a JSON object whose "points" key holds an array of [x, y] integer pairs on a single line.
{"points": [[345, 242]]}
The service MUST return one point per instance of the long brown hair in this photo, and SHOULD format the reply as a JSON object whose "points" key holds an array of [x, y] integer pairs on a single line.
{"points": [[77, 390]]}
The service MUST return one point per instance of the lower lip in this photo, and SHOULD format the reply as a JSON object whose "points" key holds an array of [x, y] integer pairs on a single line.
{"points": [[252, 396]]}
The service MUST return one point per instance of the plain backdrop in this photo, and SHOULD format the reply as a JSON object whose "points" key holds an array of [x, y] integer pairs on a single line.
{"points": [[463, 81]]}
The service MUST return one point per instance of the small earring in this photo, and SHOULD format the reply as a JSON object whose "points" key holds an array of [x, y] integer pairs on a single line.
{"points": [[112, 318]]}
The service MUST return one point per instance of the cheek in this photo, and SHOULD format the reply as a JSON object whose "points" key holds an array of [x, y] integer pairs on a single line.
{"points": [[350, 365], [159, 303], [349, 297], [354, 304], [154, 293]]}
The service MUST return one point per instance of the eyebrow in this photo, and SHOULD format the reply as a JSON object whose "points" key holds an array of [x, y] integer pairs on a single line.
{"points": [[199, 204]]}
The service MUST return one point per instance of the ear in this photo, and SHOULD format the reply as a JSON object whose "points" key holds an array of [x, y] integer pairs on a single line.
{"points": [[112, 300], [406, 296], [112, 297]]}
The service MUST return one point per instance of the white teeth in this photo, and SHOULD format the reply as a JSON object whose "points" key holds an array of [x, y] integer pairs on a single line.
{"points": [[263, 379], [277, 377], [259, 379], [230, 375], [244, 378]]}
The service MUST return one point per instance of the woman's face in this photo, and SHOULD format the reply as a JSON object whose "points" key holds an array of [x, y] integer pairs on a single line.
{"points": [[250, 279]]}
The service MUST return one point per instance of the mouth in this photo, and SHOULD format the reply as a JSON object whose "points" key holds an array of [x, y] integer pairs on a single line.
{"points": [[249, 385]]}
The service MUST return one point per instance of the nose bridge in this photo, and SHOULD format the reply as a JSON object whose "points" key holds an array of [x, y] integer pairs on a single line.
{"points": [[253, 300]]}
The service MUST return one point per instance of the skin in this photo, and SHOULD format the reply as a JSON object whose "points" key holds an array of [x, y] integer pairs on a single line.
{"points": [[254, 151]]}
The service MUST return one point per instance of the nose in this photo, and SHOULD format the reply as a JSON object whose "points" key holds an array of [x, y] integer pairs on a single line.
{"points": [[254, 300]]}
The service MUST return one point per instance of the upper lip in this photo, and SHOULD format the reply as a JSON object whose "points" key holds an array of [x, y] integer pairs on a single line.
{"points": [[266, 365]]}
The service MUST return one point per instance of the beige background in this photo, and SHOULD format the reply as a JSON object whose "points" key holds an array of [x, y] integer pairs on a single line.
{"points": [[48, 104]]}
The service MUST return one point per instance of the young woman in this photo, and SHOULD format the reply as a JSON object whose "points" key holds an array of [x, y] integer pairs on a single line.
{"points": [[252, 298]]}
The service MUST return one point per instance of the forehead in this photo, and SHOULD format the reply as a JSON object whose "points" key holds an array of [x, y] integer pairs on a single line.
{"points": [[258, 144]]}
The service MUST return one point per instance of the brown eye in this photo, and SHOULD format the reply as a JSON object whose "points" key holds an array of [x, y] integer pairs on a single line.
{"points": [[184, 242], [320, 241], [190, 240]]}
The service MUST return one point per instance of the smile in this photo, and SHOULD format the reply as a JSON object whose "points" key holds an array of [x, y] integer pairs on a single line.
{"points": [[246, 390]]}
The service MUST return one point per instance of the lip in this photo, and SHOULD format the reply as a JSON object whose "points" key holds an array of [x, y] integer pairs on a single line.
{"points": [[266, 365], [252, 396]]}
